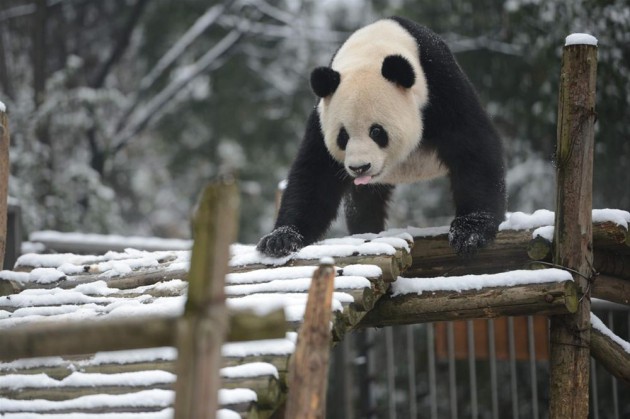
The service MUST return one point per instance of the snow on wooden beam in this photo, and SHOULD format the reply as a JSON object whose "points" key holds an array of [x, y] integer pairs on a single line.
{"points": [[514, 249], [421, 300], [610, 350]]}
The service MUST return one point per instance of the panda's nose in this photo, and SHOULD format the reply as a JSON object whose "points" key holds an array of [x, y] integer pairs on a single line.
{"points": [[359, 170]]}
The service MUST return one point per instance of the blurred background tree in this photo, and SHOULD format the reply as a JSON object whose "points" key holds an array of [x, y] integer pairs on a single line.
{"points": [[122, 109]]}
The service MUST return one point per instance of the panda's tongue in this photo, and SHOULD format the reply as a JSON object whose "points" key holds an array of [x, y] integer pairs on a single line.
{"points": [[362, 180]]}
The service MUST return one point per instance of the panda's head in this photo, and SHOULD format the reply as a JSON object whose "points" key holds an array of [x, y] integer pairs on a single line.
{"points": [[371, 116]]}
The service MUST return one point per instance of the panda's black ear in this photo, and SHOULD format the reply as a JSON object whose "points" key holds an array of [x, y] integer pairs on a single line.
{"points": [[398, 70], [324, 81]]}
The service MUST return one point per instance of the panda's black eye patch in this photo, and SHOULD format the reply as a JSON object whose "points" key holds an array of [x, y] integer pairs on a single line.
{"points": [[379, 135], [342, 138]]}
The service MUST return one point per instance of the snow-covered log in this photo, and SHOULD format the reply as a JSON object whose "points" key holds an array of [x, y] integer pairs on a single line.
{"points": [[421, 300], [610, 350]]}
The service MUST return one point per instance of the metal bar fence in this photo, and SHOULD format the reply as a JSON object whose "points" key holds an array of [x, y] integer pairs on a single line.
{"points": [[442, 370]]}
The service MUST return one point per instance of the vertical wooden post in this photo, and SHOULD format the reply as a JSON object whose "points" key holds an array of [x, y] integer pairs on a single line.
{"points": [[308, 373], [202, 328], [4, 179], [570, 334]]}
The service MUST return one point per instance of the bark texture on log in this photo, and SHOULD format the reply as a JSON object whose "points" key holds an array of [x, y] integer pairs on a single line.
{"points": [[573, 238], [4, 182], [308, 372], [202, 329], [549, 298]]}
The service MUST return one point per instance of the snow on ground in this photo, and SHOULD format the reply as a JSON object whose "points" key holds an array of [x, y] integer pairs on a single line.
{"points": [[3, 107], [476, 282]]}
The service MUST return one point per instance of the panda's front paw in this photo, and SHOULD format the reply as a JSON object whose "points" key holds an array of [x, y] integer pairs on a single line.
{"points": [[472, 231], [281, 242]]}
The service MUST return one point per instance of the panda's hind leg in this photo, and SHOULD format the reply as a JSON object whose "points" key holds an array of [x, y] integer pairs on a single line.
{"points": [[366, 208]]}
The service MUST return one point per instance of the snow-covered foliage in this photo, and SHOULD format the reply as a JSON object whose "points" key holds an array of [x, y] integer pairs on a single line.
{"points": [[122, 132]]}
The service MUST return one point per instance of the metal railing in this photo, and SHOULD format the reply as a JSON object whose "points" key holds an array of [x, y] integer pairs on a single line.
{"points": [[403, 371]]}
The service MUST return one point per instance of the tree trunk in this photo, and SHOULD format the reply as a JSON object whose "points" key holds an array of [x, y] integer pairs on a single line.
{"points": [[4, 181], [573, 239]]}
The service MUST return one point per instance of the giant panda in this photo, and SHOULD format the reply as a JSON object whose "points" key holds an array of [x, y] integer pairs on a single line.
{"points": [[393, 107]]}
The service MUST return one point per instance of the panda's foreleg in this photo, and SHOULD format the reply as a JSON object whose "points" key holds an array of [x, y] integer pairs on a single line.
{"points": [[366, 208], [316, 184], [478, 186]]}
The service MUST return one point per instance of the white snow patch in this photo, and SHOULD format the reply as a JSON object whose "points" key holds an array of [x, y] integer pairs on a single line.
{"points": [[546, 232], [294, 285], [79, 379], [599, 325], [367, 271], [145, 398], [522, 221], [162, 414], [421, 231], [580, 39], [236, 396], [266, 275], [326, 260], [476, 282], [252, 369], [619, 217], [258, 347], [3, 107]]}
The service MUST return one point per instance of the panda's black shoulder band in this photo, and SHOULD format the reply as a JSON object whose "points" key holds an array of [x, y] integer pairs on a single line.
{"points": [[398, 70], [324, 81]]}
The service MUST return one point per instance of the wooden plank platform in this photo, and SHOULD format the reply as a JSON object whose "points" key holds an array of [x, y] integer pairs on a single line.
{"points": [[67, 287]]}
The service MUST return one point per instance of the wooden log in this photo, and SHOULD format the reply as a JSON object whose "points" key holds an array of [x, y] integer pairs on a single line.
{"points": [[70, 338], [202, 329], [610, 355], [4, 180], [547, 298], [612, 289], [77, 338], [308, 372], [433, 256], [68, 366], [573, 238]]}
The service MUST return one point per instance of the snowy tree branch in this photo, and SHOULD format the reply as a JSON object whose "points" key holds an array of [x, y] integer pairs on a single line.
{"points": [[143, 116], [197, 29], [459, 44]]}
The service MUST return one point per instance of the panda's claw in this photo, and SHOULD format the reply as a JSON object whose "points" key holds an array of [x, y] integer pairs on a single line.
{"points": [[281, 242], [472, 231]]}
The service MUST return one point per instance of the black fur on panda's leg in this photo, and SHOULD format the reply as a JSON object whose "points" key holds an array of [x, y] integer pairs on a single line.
{"points": [[479, 194], [366, 208], [316, 184]]}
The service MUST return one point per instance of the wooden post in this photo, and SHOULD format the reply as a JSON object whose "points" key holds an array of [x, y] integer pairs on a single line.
{"points": [[308, 373], [202, 328], [4, 179], [570, 334]]}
